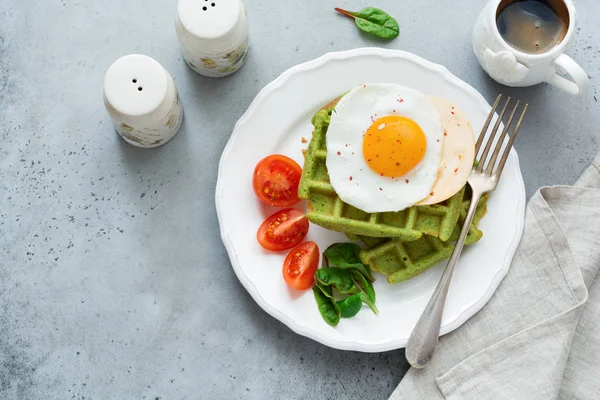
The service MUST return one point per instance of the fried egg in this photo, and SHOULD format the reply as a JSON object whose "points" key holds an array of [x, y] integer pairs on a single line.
{"points": [[384, 147]]}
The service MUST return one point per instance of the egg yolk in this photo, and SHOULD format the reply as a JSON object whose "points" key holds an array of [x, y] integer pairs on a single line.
{"points": [[393, 145]]}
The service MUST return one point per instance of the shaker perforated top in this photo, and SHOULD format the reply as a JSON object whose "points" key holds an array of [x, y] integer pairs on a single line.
{"points": [[209, 19], [135, 85]]}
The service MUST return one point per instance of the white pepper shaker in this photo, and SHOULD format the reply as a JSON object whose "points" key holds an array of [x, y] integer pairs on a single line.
{"points": [[213, 35], [142, 101]]}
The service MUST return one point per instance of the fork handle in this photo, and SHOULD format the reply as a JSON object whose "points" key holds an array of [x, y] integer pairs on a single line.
{"points": [[424, 337]]}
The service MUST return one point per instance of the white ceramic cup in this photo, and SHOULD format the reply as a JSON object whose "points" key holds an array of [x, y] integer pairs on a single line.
{"points": [[142, 101], [213, 35], [511, 67]]}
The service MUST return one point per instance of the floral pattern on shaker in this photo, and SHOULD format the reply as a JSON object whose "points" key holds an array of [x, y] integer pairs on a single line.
{"points": [[229, 62]]}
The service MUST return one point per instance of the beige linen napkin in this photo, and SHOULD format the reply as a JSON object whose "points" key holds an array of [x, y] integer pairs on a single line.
{"points": [[539, 335]]}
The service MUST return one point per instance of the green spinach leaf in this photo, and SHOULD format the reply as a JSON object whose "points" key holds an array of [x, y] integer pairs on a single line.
{"points": [[328, 308], [365, 299], [324, 288], [338, 278], [325, 262], [343, 271], [365, 285], [350, 306], [346, 256], [374, 21]]}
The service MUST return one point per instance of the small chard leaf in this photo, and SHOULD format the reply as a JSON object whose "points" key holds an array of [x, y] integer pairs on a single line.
{"points": [[346, 256], [350, 306], [374, 21], [365, 285], [338, 278], [365, 299], [328, 308]]}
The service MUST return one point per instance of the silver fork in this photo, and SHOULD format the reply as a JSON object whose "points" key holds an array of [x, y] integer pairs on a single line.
{"points": [[424, 337]]}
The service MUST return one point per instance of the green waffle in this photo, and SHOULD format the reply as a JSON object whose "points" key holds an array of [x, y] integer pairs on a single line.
{"points": [[326, 209], [401, 260]]}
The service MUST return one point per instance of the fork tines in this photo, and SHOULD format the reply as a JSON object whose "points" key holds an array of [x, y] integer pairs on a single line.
{"points": [[489, 165]]}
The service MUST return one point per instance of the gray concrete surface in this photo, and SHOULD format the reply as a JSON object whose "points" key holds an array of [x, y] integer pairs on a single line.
{"points": [[114, 283]]}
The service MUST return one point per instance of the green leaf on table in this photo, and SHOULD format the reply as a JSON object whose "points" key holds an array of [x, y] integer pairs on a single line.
{"points": [[328, 308], [374, 21], [350, 306], [346, 256]]}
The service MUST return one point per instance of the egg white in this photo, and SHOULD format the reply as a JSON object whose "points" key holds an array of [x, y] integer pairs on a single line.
{"points": [[351, 177]]}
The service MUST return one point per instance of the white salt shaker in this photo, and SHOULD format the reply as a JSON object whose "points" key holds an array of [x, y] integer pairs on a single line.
{"points": [[141, 98], [213, 35]]}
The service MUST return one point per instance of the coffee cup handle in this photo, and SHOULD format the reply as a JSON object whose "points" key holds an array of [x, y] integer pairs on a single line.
{"points": [[579, 82]]}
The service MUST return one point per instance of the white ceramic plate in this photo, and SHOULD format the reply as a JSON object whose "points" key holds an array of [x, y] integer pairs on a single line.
{"points": [[276, 122]]}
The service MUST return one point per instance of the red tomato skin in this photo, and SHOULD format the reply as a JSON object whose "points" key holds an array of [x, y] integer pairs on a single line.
{"points": [[283, 230], [300, 265], [276, 179]]}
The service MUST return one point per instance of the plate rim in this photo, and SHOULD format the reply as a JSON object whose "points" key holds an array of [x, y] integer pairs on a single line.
{"points": [[467, 312]]}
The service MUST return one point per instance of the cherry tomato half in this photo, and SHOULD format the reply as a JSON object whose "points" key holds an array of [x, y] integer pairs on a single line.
{"points": [[283, 230], [300, 265], [276, 179]]}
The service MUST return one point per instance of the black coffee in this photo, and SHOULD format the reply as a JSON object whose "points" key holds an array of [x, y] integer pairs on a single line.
{"points": [[532, 26]]}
